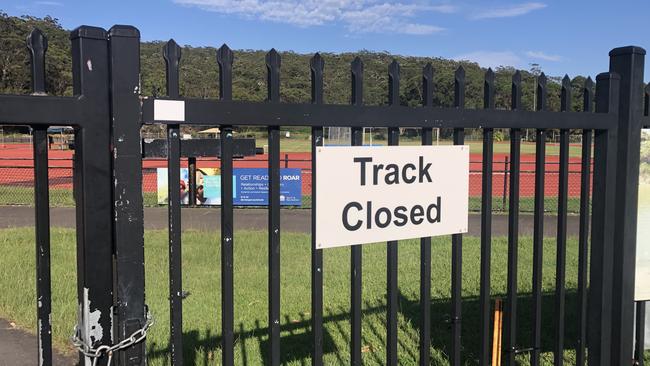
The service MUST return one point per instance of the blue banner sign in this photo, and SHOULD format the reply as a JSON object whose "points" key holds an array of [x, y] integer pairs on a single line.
{"points": [[252, 187]]}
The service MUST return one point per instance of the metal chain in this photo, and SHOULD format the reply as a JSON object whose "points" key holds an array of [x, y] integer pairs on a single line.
{"points": [[96, 353]]}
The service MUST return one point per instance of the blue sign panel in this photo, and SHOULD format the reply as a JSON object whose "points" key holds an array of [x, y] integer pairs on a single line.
{"points": [[212, 186], [252, 187]]}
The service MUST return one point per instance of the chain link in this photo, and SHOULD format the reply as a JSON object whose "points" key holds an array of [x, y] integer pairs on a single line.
{"points": [[96, 353]]}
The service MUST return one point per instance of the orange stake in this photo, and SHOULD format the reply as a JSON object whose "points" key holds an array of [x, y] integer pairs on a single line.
{"points": [[496, 333], [499, 353]]}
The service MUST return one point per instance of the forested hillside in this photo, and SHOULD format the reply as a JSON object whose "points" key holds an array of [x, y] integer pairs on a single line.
{"points": [[199, 72]]}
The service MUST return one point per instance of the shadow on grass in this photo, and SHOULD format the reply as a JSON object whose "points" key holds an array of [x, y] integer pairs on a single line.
{"points": [[470, 323], [296, 338]]}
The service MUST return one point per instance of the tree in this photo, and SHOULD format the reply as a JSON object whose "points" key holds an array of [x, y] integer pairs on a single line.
{"points": [[199, 73]]}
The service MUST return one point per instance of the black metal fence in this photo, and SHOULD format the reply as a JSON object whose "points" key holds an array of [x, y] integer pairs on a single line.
{"points": [[107, 115]]}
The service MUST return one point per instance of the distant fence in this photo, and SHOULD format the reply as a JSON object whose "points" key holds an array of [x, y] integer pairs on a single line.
{"points": [[17, 181]]}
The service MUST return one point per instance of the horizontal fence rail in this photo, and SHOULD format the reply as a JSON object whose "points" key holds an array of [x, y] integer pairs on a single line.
{"points": [[203, 112]]}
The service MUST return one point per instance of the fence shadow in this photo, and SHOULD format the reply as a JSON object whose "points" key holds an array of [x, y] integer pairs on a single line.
{"points": [[470, 339], [297, 343]]}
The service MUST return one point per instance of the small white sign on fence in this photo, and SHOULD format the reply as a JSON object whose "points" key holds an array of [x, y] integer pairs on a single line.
{"points": [[169, 110], [378, 194]]}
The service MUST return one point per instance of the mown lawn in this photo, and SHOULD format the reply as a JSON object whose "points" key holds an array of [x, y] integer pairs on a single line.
{"points": [[302, 143], [201, 277], [24, 196], [59, 197], [501, 205]]}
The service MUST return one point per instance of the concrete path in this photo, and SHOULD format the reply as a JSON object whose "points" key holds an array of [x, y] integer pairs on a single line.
{"points": [[18, 348], [292, 220]]}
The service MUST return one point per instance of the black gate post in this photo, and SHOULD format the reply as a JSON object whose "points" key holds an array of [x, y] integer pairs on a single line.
{"points": [[316, 65], [602, 228], [425, 254], [628, 62], [124, 46], [273, 63], [356, 253], [37, 44], [583, 238], [94, 189], [225, 59], [456, 253], [172, 56], [392, 286]]}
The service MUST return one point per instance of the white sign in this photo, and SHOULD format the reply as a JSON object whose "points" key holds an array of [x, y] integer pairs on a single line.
{"points": [[169, 110], [378, 194], [642, 280]]}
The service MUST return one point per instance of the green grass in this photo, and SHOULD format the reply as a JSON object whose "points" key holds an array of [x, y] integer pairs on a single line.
{"points": [[59, 197], [16, 195], [302, 143], [24, 196], [526, 204], [501, 147], [201, 310]]}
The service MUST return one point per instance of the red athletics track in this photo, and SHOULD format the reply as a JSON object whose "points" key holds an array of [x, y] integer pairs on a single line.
{"points": [[20, 155]]}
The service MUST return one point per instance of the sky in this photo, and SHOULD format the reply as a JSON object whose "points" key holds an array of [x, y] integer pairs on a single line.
{"points": [[562, 36]]}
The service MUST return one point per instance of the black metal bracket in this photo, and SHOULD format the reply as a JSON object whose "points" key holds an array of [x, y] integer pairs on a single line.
{"points": [[134, 355], [198, 148]]}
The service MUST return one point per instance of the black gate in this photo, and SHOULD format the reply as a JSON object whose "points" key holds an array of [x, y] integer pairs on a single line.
{"points": [[108, 111], [89, 111]]}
